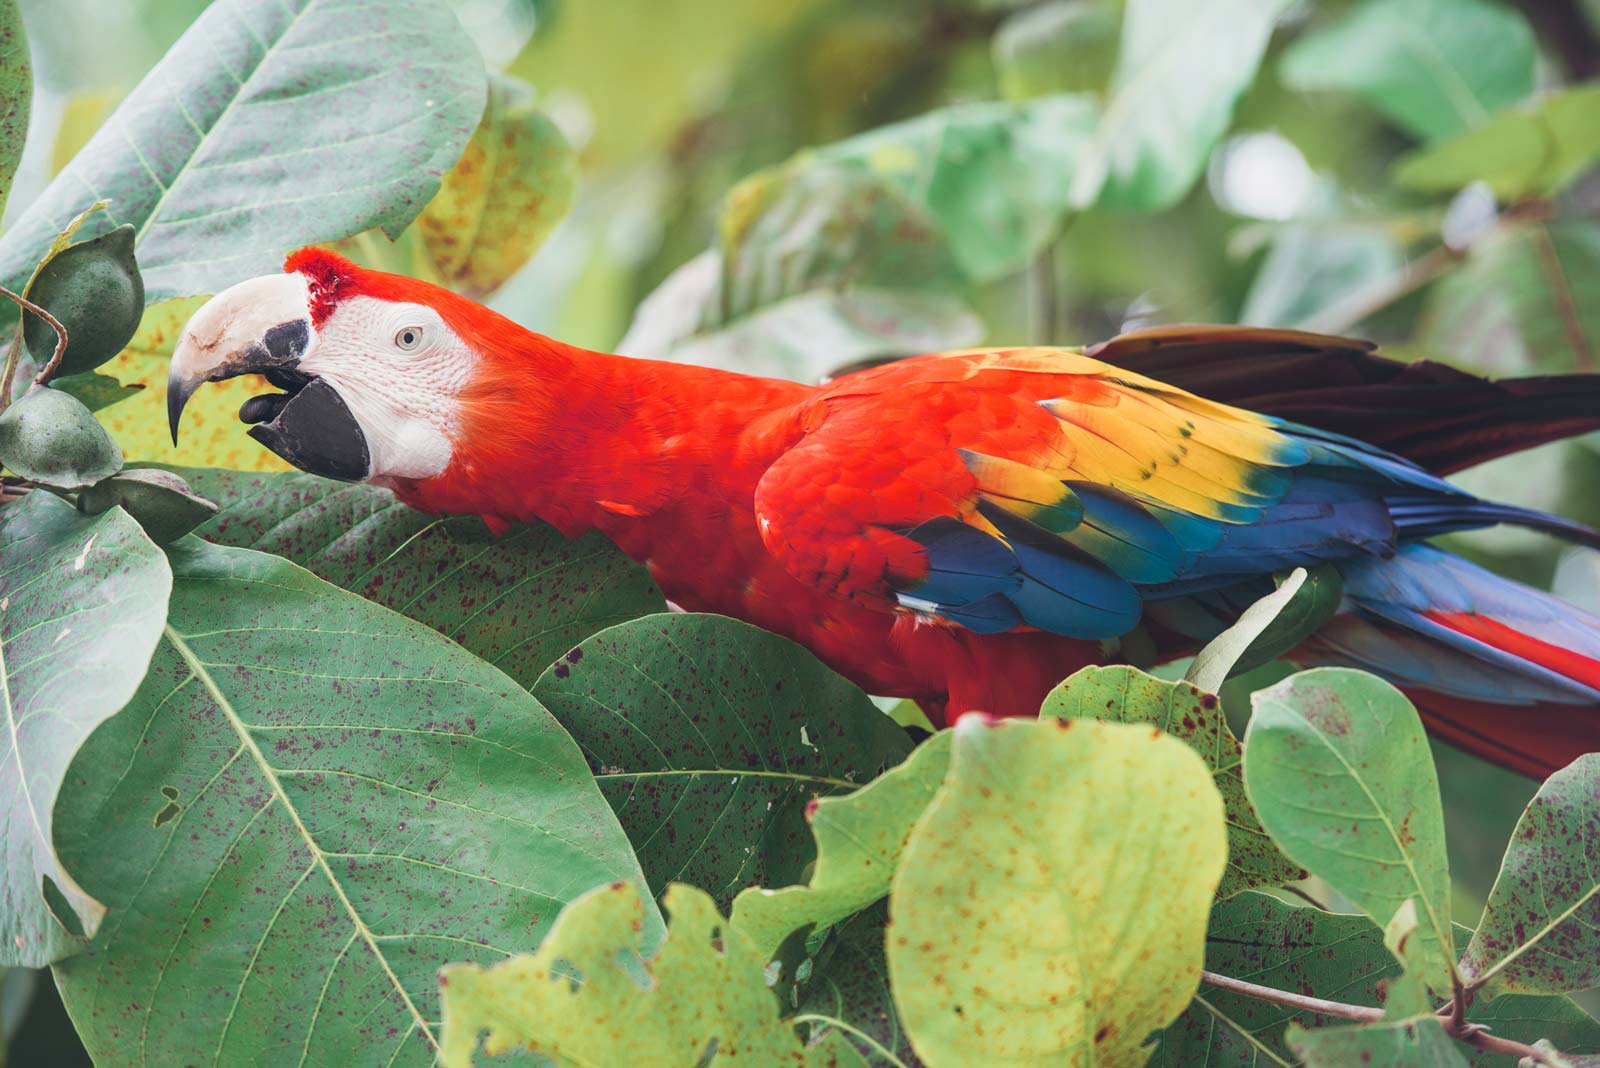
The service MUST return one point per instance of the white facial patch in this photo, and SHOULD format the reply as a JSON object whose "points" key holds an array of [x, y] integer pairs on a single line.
{"points": [[401, 370]]}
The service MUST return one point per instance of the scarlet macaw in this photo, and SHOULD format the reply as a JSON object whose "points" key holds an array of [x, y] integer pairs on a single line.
{"points": [[964, 528]]}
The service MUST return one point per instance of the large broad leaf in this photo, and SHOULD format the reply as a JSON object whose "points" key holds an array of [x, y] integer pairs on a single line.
{"points": [[700, 997], [312, 803], [799, 337], [994, 177], [1436, 67], [710, 738], [517, 601], [1533, 150], [1341, 958], [859, 839], [1050, 906], [1541, 927], [82, 601], [1128, 695], [1337, 765], [267, 126], [16, 93], [1181, 69], [511, 186]]}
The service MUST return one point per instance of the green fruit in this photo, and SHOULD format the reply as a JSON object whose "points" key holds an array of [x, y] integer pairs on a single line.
{"points": [[94, 288], [162, 502], [51, 437]]}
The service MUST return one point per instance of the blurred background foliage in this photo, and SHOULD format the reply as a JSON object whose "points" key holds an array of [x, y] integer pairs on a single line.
{"points": [[790, 186]]}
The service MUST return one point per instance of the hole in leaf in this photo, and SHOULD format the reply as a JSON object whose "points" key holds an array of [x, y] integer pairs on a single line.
{"points": [[60, 909], [168, 811], [169, 792]]}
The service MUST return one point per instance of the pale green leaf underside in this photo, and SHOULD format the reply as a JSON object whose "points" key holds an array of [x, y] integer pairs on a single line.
{"points": [[269, 125], [82, 601]]}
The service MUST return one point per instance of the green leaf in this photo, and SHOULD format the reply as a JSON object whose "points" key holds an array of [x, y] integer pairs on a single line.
{"points": [[1127, 695], [1066, 866], [1416, 1041], [514, 182], [16, 93], [1181, 68], [994, 177], [162, 502], [517, 601], [269, 126], [1518, 305], [94, 391], [859, 839], [1540, 932], [1531, 150], [81, 606], [1337, 766], [1310, 269], [1272, 626], [314, 803], [1060, 46], [710, 737], [849, 982], [701, 991], [1435, 67], [799, 337]]}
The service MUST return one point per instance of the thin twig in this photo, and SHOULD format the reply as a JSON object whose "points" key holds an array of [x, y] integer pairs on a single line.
{"points": [[49, 369], [1372, 298], [13, 357]]}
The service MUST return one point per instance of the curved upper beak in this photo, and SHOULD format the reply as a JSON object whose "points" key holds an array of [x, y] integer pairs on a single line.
{"points": [[264, 326]]}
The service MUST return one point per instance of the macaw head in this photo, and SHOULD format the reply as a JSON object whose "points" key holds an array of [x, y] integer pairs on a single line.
{"points": [[377, 371]]}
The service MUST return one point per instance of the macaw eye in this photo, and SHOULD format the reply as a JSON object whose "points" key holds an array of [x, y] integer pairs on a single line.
{"points": [[408, 338]]}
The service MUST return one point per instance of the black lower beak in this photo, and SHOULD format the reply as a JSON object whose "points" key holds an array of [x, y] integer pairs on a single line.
{"points": [[314, 430]]}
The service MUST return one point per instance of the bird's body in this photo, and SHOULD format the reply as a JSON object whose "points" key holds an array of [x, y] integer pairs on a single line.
{"points": [[967, 529]]}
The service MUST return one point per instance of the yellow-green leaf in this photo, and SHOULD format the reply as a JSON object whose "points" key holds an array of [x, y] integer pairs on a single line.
{"points": [[511, 186], [1050, 907], [859, 839], [1127, 695], [701, 991], [212, 433]]}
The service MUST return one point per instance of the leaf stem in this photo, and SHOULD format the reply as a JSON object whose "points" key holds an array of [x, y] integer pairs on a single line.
{"points": [[1320, 1006], [877, 1047], [1452, 1017]]}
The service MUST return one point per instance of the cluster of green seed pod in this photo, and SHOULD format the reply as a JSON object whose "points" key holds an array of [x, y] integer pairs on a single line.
{"points": [[94, 290]]}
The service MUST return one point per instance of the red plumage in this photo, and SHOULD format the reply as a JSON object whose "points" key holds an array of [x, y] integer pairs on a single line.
{"points": [[873, 519]]}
